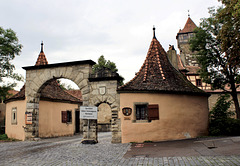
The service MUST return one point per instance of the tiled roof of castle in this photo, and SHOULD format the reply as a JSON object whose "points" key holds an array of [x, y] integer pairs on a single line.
{"points": [[189, 26], [42, 60], [51, 92], [158, 75]]}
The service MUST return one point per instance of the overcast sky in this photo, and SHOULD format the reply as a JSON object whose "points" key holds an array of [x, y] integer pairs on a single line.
{"points": [[74, 30]]}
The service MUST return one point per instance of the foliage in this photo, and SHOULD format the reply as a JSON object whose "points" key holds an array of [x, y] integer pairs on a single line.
{"points": [[221, 121], [3, 137], [217, 65], [229, 33], [64, 86], [103, 63], [4, 91], [9, 48]]}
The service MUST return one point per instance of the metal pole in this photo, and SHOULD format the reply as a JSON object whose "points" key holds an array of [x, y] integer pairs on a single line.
{"points": [[88, 129]]}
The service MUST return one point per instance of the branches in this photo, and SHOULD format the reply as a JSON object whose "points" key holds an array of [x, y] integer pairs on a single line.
{"points": [[9, 48]]}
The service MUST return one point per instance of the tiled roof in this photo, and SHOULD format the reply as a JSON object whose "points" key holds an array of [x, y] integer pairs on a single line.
{"points": [[42, 60], [189, 26], [158, 75], [51, 92], [19, 96], [192, 70], [75, 93], [180, 64]]}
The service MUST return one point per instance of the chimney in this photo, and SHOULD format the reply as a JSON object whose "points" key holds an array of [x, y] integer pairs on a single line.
{"points": [[172, 56]]}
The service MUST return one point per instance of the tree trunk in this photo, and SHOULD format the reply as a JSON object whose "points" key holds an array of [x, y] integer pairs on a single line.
{"points": [[235, 99]]}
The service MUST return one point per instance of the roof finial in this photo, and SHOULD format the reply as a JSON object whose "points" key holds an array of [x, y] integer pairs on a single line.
{"points": [[188, 14], [154, 36], [42, 46]]}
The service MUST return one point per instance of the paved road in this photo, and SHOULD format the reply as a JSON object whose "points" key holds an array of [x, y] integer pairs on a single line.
{"points": [[69, 151]]}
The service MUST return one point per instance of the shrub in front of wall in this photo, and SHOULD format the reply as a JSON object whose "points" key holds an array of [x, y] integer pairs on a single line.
{"points": [[221, 121]]}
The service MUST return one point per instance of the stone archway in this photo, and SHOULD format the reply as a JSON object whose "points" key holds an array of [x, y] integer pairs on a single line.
{"points": [[78, 72]]}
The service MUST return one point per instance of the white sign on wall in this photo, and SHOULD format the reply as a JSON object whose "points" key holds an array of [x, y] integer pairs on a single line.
{"points": [[88, 112]]}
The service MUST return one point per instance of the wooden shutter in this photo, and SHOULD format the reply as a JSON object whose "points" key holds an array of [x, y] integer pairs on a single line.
{"points": [[64, 116], [153, 112]]}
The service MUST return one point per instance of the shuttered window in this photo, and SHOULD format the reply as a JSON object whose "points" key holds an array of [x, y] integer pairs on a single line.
{"points": [[153, 112], [141, 112], [66, 116]]}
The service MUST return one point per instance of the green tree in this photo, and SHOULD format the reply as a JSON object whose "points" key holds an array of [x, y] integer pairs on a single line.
{"points": [[103, 63], [9, 48], [217, 66], [221, 121]]}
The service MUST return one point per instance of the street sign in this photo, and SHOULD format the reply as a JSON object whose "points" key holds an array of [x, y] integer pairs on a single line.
{"points": [[88, 112]]}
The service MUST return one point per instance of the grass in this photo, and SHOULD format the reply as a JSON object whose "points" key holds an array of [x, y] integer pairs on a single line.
{"points": [[4, 138]]}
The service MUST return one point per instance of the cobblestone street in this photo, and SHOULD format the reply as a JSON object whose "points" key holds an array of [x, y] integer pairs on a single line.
{"points": [[69, 151]]}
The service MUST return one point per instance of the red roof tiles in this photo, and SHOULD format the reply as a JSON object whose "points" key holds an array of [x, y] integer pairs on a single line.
{"points": [[189, 26], [42, 60], [51, 92], [157, 74]]}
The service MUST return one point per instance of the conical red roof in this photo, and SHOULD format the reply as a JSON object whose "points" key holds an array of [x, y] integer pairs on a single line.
{"points": [[158, 75], [189, 26], [42, 60]]}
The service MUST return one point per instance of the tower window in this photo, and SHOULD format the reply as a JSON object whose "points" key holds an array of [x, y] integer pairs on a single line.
{"points": [[198, 82]]}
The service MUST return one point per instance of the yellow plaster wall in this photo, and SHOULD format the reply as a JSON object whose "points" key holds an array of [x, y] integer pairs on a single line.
{"points": [[104, 113], [50, 119], [16, 130], [180, 117]]}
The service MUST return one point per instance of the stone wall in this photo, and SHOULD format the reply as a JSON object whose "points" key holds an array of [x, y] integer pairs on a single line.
{"points": [[94, 93], [105, 92]]}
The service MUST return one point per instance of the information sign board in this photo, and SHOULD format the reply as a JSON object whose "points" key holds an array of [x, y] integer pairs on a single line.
{"points": [[88, 112]]}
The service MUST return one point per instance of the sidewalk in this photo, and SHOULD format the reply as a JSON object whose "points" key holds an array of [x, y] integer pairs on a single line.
{"points": [[193, 147]]}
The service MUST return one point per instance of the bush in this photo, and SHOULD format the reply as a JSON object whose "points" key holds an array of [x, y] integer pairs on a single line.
{"points": [[3, 137], [221, 121]]}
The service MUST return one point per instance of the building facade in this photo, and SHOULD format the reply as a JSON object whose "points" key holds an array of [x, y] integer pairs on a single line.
{"points": [[159, 103]]}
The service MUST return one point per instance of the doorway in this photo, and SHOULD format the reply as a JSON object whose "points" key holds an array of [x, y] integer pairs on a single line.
{"points": [[77, 121]]}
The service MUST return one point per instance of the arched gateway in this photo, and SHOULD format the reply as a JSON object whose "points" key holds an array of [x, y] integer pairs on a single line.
{"points": [[96, 89]]}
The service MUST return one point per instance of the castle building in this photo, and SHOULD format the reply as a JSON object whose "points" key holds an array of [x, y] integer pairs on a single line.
{"points": [[188, 65], [187, 62], [159, 103]]}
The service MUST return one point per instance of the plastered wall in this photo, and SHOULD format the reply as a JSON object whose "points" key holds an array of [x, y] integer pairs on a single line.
{"points": [[50, 119], [16, 130], [180, 117]]}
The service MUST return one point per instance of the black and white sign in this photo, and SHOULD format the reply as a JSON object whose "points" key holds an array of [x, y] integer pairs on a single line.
{"points": [[88, 112]]}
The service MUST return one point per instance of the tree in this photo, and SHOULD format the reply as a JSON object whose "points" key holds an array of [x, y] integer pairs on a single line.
{"points": [[103, 63], [9, 48], [221, 121], [218, 65]]}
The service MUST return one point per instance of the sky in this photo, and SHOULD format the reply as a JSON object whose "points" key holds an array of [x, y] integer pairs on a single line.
{"points": [[74, 30]]}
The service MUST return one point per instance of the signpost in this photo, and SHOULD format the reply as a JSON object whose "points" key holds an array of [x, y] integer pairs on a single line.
{"points": [[88, 113]]}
